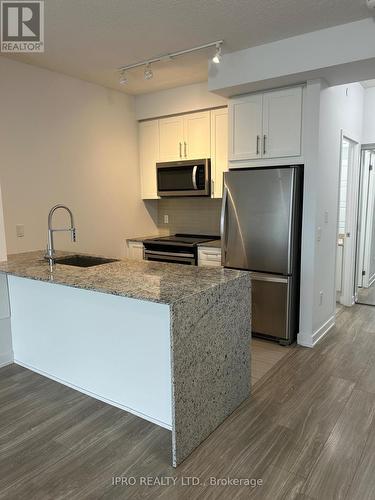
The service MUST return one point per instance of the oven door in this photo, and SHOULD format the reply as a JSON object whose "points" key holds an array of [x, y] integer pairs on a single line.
{"points": [[184, 178], [171, 257]]}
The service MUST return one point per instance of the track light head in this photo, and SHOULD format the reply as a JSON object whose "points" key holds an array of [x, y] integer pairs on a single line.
{"points": [[148, 74], [123, 78], [217, 57]]}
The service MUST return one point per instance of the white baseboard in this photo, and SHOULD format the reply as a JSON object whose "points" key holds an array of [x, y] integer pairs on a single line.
{"points": [[311, 341], [6, 358]]}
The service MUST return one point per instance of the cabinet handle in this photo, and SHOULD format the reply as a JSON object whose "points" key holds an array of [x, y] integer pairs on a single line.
{"points": [[258, 139], [180, 145], [185, 149], [264, 144]]}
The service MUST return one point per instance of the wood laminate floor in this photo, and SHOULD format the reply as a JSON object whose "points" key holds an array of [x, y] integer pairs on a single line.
{"points": [[265, 357], [367, 295], [307, 432]]}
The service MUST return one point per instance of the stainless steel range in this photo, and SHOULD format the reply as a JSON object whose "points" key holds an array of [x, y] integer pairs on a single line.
{"points": [[177, 248]]}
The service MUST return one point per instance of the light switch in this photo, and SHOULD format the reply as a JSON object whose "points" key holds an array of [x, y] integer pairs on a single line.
{"points": [[326, 216], [319, 234], [20, 230], [166, 219]]}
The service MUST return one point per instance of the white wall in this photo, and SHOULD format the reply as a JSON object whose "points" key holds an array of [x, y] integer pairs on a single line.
{"points": [[340, 108], [368, 136], [178, 100], [63, 140]]}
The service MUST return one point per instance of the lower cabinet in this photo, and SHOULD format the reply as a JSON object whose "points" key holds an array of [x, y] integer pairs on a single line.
{"points": [[135, 250], [209, 256]]}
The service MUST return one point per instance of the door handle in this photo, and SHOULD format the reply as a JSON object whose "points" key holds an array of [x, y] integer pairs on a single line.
{"points": [[180, 146], [185, 146], [258, 139], [264, 144], [222, 225]]}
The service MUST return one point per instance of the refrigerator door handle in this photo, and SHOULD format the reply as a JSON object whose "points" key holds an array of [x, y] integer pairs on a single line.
{"points": [[268, 277], [223, 226], [292, 210]]}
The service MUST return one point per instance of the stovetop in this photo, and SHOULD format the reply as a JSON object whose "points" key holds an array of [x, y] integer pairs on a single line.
{"points": [[182, 239]]}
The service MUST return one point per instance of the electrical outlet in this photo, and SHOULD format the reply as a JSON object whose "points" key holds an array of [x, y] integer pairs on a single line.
{"points": [[20, 230], [166, 219], [321, 298]]}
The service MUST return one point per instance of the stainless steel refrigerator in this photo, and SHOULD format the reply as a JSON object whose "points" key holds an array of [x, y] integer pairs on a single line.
{"points": [[261, 232]]}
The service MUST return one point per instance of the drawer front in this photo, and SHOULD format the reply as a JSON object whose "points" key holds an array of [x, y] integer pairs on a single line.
{"points": [[209, 257]]}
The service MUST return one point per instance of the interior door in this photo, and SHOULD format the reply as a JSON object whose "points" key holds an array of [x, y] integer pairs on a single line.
{"points": [[171, 131], [369, 239], [282, 123], [197, 137], [245, 126], [347, 222], [257, 215]]}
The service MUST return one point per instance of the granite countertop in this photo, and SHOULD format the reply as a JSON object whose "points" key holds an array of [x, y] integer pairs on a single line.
{"points": [[138, 279], [212, 244]]}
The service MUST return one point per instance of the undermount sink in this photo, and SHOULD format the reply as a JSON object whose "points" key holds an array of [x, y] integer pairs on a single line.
{"points": [[83, 261]]}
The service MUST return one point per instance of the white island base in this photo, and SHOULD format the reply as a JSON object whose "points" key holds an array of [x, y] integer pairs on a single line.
{"points": [[112, 348]]}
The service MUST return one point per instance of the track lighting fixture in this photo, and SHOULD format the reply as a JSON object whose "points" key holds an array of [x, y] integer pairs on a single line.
{"points": [[217, 57], [123, 78], [148, 73]]}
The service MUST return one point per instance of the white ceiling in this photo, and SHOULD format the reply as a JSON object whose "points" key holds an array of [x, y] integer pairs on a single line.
{"points": [[89, 39]]}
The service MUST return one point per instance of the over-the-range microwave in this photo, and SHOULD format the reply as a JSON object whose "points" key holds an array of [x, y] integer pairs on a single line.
{"points": [[184, 178]]}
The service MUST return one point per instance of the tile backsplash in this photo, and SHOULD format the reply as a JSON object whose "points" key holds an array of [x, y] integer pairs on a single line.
{"points": [[190, 215]]}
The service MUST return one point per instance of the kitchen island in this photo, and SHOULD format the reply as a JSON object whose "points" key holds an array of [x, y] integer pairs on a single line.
{"points": [[166, 342]]}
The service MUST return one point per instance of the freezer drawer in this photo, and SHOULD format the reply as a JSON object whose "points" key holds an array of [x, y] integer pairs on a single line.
{"points": [[271, 306]]}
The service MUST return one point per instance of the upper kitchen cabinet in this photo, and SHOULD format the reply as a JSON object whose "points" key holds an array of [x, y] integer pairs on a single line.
{"points": [[171, 138], [148, 156], [245, 125], [197, 141], [219, 149], [282, 123], [185, 137], [266, 125]]}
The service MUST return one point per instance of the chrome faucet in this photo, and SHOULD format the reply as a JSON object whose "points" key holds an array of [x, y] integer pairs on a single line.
{"points": [[50, 254]]}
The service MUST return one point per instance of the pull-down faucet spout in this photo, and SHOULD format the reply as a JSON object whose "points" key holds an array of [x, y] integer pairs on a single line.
{"points": [[50, 254]]}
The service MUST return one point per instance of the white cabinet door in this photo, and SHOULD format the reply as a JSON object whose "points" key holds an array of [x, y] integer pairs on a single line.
{"points": [[245, 125], [135, 250], [282, 123], [171, 132], [219, 149], [148, 156], [197, 140]]}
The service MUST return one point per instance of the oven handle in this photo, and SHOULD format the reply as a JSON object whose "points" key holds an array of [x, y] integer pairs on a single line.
{"points": [[170, 254], [194, 176]]}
